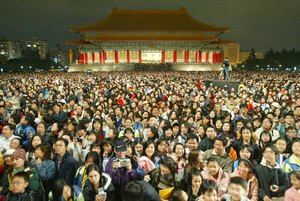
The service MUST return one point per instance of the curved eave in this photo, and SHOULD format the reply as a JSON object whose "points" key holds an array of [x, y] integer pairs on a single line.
{"points": [[78, 42]]}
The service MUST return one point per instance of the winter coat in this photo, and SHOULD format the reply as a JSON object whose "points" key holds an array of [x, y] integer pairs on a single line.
{"points": [[25, 196], [292, 194], [269, 176], [67, 168], [206, 144], [227, 197], [291, 164], [89, 192], [225, 159]]}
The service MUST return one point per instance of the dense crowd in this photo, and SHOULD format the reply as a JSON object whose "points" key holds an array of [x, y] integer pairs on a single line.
{"points": [[149, 136], [152, 67]]}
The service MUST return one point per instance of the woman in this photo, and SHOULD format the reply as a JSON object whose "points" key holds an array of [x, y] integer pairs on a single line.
{"points": [[81, 176], [150, 152], [195, 162], [247, 139], [108, 151], [98, 185], [214, 172], [244, 171], [265, 139], [165, 176], [30, 155], [246, 152], [62, 191], [179, 156], [45, 166], [97, 128]]}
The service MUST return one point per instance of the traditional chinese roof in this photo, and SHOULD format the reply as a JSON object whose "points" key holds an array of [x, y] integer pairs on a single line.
{"points": [[78, 42], [149, 21]]}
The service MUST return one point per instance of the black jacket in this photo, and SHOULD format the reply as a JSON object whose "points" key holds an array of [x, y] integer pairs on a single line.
{"points": [[206, 144], [26, 196], [89, 192], [67, 169], [269, 176]]}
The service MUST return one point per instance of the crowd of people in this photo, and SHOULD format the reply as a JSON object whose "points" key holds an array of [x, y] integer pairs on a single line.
{"points": [[149, 136], [152, 67]]}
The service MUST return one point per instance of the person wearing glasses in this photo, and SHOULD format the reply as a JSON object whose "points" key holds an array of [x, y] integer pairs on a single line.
{"points": [[66, 165]]}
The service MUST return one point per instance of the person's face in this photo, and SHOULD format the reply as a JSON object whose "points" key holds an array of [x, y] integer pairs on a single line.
{"points": [[184, 129], [18, 162], [97, 126], [60, 148], [164, 170], [256, 123], [292, 133], [210, 133], [169, 132], [89, 161], [239, 125], [210, 196], [36, 141], [38, 153], [139, 148], [6, 132], [244, 153], [219, 124], [175, 129], [243, 169], [269, 155], [150, 150], [97, 149], [107, 148], [296, 148], [179, 151], [295, 182], [265, 137], [281, 145], [92, 137], [8, 161], [236, 191], [266, 123], [196, 181], [128, 123], [149, 133], [109, 122], [246, 134], [15, 144], [94, 177], [213, 168], [192, 144], [40, 129], [289, 120], [219, 147], [226, 127], [18, 185]]}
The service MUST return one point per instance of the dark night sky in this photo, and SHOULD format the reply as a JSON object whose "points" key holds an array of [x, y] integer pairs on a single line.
{"points": [[260, 24]]}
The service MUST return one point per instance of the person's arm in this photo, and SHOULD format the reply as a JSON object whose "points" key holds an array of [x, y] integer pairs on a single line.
{"points": [[47, 169], [253, 191]]}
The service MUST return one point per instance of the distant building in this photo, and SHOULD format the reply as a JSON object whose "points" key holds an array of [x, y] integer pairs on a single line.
{"points": [[245, 54], [38, 44], [232, 51], [10, 49]]}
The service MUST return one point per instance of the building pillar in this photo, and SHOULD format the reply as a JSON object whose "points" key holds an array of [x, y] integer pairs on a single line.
{"points": [[93, 57], [128, 56], [197, 56], [207, 57], [104, 56], [163, 56], [200, 56], [80, 58], [86, 57], [174, 56], [140, 56], [116, 56]]}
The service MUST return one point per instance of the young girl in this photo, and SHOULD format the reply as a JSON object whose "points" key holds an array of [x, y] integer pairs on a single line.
{"points": [[30, 156], [264, 139], [193, 187], [293, 193], [208, 190], [214, 172]]}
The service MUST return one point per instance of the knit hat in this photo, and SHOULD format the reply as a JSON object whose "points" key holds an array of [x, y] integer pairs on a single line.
{"points": [[19, 153]]}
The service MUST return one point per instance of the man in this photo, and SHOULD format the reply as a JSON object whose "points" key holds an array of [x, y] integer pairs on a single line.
{"points": [[208, 142], [139, 191], [226, 65], [7, 136], [291, 135], [25, 130], [273, 182], [219, 152], [267, 125], [66, 165]]}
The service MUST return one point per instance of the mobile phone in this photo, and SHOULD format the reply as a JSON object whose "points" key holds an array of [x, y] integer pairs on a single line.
{"points": [[101, 191]]}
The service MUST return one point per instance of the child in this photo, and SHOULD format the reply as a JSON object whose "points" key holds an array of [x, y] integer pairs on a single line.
{"points": [[193, 187], [18, 186], [236, 190], [208, 190], [292, 163], [293, 194], [280, 143]]}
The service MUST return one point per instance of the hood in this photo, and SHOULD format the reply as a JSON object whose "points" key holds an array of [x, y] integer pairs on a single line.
{"points": [[264, 163]]}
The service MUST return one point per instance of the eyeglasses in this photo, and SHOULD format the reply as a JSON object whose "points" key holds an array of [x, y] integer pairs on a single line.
{"points": [[59, 145]]}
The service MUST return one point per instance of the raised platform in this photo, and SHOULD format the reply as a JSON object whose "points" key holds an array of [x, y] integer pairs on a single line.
{"points": [[224, 84], [130, 67]]}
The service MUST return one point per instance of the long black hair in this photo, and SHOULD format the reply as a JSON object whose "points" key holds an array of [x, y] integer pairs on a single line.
{"points": [[58, 187]]}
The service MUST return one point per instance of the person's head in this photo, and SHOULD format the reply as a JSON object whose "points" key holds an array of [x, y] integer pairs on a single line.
{"points": [[96, 147], [41, 128], [195, 158], [93, 172], [139, 147], [295, 179], [61, 147], [244, 166], [213, 166], [162, 146], [35, 141], [296, 147], [92, 157], [62, 190], [129, 133], [291, 132], [195, 178], [179, 150], [237, 188], [167, 166], [149, 149], [43, 152], [211, 133], [19, 158], [179, 195], [209, 190], [246, 151], [133, 190], [280, 143], [120, 149], [19, 182], [7, 158], [152, 133], [269, 153], [15, 143], [220, 145], [8, 130], [240, 123], [265, 137], [108, 146], [267, 123], [192, 141], [246, 133]]}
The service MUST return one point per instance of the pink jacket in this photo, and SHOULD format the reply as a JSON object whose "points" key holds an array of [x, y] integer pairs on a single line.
{"points": [[252, 190], [222, 180], [291, 195]]}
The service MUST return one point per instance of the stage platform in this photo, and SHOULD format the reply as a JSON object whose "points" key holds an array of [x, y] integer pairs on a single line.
{"points": [[224, 84], [130, 67]]}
